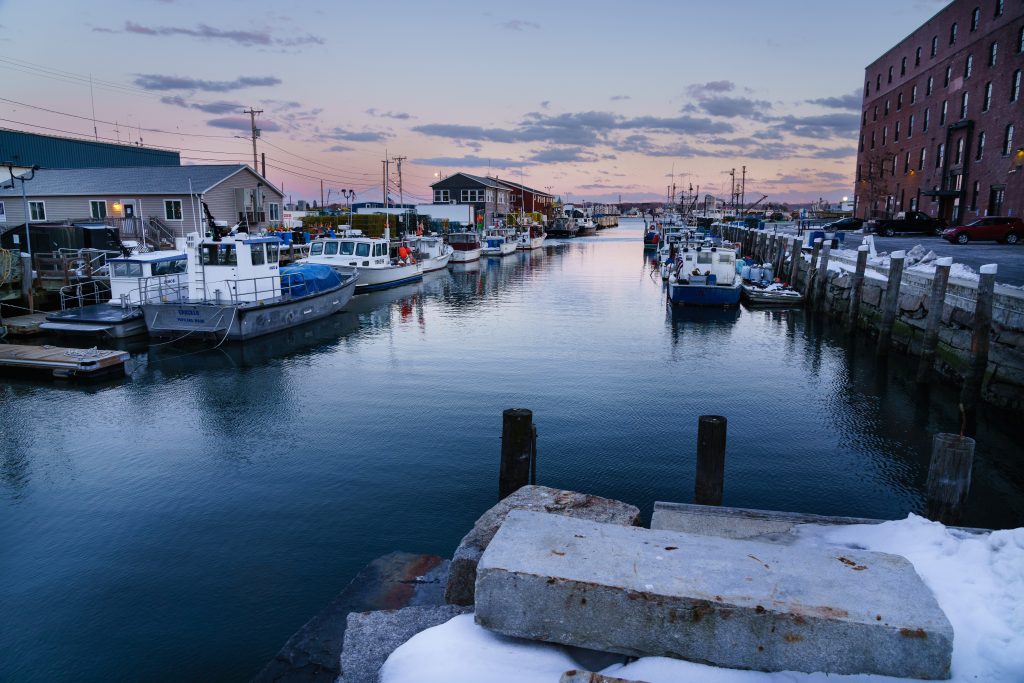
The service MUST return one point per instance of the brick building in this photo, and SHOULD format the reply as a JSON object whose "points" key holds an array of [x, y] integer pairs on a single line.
{"points": [[942, 127]]}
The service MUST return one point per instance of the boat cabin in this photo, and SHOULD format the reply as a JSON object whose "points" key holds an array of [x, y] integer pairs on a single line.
{"points": [[359, 251], [464, 241], [236, 268], [148, 277], [707, 266]]}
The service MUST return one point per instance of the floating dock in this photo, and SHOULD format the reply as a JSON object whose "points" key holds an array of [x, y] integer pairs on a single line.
{"points": [[25, 325], [60, 362]]}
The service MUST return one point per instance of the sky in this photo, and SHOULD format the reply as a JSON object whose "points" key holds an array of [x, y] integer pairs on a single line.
{"points": [[592, 99]]}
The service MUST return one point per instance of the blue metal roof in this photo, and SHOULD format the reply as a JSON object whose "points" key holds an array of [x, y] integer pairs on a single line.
{"points": [[127, 181], [48, 151]]}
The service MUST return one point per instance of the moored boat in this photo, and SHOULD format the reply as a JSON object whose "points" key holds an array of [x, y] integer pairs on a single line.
{"points": [[499, 242], [237, 291], [432, 252], [380, 262], [771, 294], [704, 277], [586, 227], [562, 227], [466, 247], [531, 237]]}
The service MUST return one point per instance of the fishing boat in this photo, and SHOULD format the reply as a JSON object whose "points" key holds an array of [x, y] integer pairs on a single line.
{"points": [[431, 251], [563, 227], [771, 294], [237, 290], [499, 242], [531, 237], [112, 308], [704, 277], [586, 227], [380, 262], [466, 246], [652, 237]]}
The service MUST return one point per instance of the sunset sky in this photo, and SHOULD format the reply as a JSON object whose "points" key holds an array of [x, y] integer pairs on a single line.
{"points": [[592, 99]]}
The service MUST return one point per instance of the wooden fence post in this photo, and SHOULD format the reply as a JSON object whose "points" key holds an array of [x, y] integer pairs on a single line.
{"points": [[936, 302], [518, 450], [857, 288], [981, 335], [891, 302], [949, 477], [808, 293], [711, 431], [794, 258]]}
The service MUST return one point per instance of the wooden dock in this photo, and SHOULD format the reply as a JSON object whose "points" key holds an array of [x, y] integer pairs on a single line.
{"points": [[25, 325], [60, 362]]}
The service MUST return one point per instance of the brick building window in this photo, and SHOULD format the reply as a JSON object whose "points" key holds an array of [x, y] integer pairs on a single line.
{"points": [[1015, 86], [963, 106], [899, 102], [974, 195], [981, 147], [913, 94], [906, 163], [864, 119], [927, 116], [896, 133], [952, 34], [993, 50], [940, 152], [887, 107], [1008, 140], [910, 126], [935, 45], [975, 18], [862, 143], [968, 66], [892, 169], [903, 67], [987, 101], [872, 139], [878, 82], [917, 57], [867, 88], [931, 83], [920, 161], [885, 134], [959, 152], [890, 74], [999, 8], [949, 75], [1020, 40], [945, 110]]}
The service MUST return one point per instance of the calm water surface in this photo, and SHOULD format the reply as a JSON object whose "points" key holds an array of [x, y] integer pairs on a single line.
{"points": [[183, 523]]}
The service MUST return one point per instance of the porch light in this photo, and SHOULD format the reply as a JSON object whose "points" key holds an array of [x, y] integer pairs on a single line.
{"points": [[117, 207]]}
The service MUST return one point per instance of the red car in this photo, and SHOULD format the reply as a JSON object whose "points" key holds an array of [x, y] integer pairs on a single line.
{"points": [[999, 228]]}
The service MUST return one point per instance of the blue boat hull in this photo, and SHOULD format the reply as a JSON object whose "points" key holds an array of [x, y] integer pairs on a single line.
{"points": [[703, 295]]}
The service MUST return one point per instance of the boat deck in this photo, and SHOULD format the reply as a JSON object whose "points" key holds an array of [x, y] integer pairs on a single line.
{"points": [[60, 362], [96, 313]]}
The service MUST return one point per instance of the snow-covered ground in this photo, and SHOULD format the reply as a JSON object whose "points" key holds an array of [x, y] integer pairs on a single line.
{"points": [[978, 580]]}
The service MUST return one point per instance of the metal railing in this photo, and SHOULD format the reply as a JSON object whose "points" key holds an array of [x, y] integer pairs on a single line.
{"points": [[83, 293], [159, 289]]}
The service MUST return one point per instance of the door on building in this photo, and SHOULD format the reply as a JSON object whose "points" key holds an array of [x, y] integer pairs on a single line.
{"points": [[128, 208], [995, 201]]}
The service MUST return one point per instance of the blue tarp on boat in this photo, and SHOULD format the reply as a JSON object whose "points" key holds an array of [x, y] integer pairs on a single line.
{"points": [[308, 278]]}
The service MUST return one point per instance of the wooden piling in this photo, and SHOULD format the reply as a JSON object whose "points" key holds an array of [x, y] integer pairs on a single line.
{"points": [[711, 431], [936, 302], [794, 264], [857, 288], [518, 452], [808, 292], [981, 325], [891, 302], [949, 477], [27, 281], [822, 274]]}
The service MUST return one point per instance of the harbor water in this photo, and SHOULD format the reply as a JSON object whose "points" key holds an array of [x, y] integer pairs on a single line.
{"points": [[182, 523]]}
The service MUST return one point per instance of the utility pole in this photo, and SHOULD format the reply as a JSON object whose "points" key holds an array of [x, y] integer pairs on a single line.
{"points": [[321, 194], [384, 187], [743, 188], [401, 196], [255, 132], [732, 191], [263, 158]]}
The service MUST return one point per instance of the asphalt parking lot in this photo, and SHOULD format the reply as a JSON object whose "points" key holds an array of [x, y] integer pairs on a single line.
{"points": [[975, 254]]}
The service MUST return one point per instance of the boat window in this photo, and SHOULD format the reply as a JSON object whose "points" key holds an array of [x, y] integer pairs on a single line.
{"points": [[228, 256], [347, 248], [123, 269], [362, 249], [704, 257], [316, 248], [725, 257], [330, 248], [169, 267], [273, 250], [258, 254]]}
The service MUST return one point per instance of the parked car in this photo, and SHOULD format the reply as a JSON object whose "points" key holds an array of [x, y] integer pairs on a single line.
{"points": [[907, 222], [999, 228], [849, 223]]}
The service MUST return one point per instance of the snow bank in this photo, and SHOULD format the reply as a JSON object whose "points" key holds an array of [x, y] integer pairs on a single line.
{"points": [[978, 579]]}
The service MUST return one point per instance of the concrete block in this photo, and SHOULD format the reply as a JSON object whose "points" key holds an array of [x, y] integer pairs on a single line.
{"points": [[733, 603], [871, 294], [462, 576], [371, 637]]}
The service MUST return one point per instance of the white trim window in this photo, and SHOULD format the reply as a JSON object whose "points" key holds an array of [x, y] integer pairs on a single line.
{"points": [[172, 210], [275, 211], [3, 213], [490, 195], [442, 196], [37, 210], [97, 208], [472, 196]]}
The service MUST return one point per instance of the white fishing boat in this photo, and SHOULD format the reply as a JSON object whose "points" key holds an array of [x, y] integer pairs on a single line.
{"points": [[704, 277], [380, 262], [531, 237], [237, 290], [499, 242], [466, 246], [112, 308], [431, 251]]}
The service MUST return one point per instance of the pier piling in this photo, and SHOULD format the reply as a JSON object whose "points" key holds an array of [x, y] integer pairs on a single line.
{"points": [[936, 302], [970, 395], [949, 477], [808, 292], [891, 301], [711, 431], [26, 282], [794, 258], [857, 289], [518, 451], [822, 278]]}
